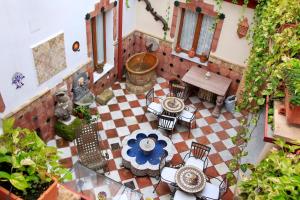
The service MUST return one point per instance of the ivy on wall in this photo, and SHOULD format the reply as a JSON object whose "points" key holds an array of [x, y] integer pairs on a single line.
{"points": [[271, 47]]}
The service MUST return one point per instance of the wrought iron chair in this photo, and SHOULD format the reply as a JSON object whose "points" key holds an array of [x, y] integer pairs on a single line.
{"points": [[166, 173], [152, 106], [214, 189], [188, 116], [89, 150], [179, 91], [167, 122], [197, 156]]}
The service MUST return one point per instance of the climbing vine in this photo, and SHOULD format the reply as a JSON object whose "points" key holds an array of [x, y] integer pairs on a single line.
{"points": [[273, 48], [270, 48]]}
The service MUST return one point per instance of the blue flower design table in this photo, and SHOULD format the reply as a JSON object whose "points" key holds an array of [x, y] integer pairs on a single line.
{"points": [[142, 151]]}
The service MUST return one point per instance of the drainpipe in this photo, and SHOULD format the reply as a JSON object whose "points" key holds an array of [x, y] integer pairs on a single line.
{"points": [[120, 42]]}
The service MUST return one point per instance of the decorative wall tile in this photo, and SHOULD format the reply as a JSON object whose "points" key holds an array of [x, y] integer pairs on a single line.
{"points": [[49, 58]]}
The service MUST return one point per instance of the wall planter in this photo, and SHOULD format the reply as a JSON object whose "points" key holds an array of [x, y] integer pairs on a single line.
{"points": [[50, 194], [292, 111], [243, 27]]}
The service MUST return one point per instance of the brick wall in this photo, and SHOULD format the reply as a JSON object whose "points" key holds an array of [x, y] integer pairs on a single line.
{"points": [[173, 66], [38, 114]]}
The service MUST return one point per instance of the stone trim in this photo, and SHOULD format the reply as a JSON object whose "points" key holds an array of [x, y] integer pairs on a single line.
{"points": [[235, 67]]}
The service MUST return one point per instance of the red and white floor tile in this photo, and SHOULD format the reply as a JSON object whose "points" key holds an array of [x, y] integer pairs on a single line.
{"points": [[124, 113]]}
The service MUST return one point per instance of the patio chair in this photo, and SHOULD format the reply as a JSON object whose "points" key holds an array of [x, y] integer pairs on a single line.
{"points": [[152, 106], [214, 189], [179, 91], [167, 122], [197, 156], [188, 116], [166, 173], [180, 195], [89, 151]]}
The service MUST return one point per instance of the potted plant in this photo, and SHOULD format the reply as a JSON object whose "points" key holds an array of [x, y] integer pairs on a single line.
{"points": [[204, 57], [276, 177], [28, 168], [292, 91], [83, 112]]}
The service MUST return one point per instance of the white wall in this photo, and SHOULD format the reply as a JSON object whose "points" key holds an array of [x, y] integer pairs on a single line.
{"points": [[26, 23], [230, 47], [129, 17]]}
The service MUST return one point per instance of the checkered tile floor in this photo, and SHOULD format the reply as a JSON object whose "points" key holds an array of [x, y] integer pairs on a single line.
{"points": [[124, 113]]}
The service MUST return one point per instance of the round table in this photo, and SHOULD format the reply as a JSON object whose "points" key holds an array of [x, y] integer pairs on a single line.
{"points": [[190, 179], [173, 104]]}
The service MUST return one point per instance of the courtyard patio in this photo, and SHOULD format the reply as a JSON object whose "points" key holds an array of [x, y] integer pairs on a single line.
{"points": [[124, 114], [150, 100]]}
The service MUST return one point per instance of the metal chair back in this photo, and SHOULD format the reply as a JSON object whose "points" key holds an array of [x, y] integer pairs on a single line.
{"points": [[162, 162], [199, 151], [166, 122], [223, 186], [177, 90], [150, 97], [88, 147]]}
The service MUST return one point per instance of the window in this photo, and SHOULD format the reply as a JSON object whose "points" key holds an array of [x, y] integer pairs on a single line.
{"points": [[98, 39], [195, 33]]}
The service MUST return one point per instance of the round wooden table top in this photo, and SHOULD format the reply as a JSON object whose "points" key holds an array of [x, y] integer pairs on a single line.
{"points": [[190, 179], [173, 104]]}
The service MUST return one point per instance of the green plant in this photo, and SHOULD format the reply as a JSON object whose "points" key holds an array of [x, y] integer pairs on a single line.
{"points": [[84, 111], [271, 48], [276, 177], [26, 161], [292, 79], [127, 4]]}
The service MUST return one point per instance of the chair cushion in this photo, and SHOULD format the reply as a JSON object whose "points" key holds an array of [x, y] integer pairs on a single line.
{"points": [[185, 116], [195, 162], [168, 174], [155, 108], [210, 190], [171, 125], [180, 195]]}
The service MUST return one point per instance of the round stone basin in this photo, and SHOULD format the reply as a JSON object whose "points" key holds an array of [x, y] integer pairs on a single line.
{"points": [[153, 156], [143, 150]]}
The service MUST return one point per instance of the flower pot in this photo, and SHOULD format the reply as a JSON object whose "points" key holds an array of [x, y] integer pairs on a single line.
{"points": [[49, 194], [203, 58], [292, 111]]}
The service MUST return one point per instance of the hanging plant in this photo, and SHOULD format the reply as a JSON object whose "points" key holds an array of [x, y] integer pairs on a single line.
{"points": [[167, 18], [264, 72], [127, 4]]}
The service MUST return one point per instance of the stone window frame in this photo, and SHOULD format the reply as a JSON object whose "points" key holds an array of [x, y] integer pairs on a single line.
{"points": [[100, 8], [206, 9]]}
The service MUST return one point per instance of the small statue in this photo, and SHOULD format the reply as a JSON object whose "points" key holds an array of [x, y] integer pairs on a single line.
{"points": [[64, 106]]}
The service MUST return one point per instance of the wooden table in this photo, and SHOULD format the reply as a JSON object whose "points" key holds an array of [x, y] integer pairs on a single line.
{"points": [[216, 84], [184, 180], [173, 105]]}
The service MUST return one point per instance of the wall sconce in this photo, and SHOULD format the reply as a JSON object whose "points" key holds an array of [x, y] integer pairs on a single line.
{"points": [[75, 46]]}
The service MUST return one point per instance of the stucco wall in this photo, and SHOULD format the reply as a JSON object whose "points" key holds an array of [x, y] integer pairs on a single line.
{"points": [[230, 47], [27, 22]]}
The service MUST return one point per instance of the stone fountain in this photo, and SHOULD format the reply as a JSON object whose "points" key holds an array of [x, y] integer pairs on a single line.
{"points": [[82, 95]]}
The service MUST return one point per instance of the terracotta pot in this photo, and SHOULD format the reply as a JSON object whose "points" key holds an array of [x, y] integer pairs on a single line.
{"points": [[292, 111], [203, 58], [50, 194]]}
